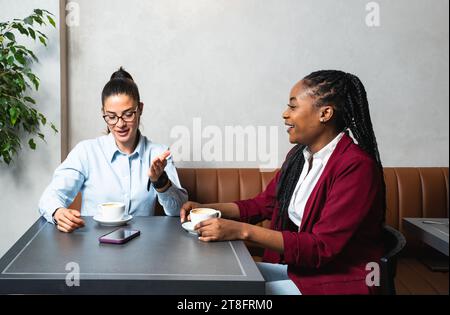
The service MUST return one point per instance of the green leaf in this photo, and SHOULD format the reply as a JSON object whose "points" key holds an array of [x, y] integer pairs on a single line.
{"points": [[28, 20], [32, 33], [40, 135], [10, 36], [32, 55], [6, 147], [19, 81], [6, 157], [25, 126], [20, 58], [43, 119], [52, 22], [42, 34], [22, 29], [29, 99], [13, 113], [53, 127], [34, 79], [38, 20], [32, 144], [10, 60], [42, 39], [38, 11]]}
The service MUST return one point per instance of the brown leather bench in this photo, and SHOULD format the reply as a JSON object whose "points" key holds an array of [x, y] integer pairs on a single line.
{"points": [[411, 192]]}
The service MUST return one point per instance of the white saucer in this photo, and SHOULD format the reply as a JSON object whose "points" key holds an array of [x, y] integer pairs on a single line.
{"points": [[188, 226], [122, 221]]}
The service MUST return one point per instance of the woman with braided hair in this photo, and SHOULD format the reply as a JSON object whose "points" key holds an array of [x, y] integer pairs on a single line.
{"points": [[326, 204]]}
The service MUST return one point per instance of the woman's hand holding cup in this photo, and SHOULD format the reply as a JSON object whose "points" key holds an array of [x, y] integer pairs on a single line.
{"points": [[186, 209]]}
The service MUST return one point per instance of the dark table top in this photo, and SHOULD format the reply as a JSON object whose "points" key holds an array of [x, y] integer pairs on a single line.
{"points": [[164, 259], [433, 234]]}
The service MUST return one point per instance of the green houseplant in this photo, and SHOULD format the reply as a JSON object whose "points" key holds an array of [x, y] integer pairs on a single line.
{"points": [[19, 117]]}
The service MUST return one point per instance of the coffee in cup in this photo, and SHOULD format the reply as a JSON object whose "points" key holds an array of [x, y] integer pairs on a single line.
{"points": [[111, 211], [200, 214]]}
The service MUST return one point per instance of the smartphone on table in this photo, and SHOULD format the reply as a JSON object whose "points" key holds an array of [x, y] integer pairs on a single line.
{"points": [[119, 236]]}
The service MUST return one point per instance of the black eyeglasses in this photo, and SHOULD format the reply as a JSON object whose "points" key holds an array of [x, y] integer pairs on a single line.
{"points": [[112, 119]]}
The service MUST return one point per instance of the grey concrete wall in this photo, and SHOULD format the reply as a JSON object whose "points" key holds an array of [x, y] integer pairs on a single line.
{"points": [[24, 180], [233, 62]]}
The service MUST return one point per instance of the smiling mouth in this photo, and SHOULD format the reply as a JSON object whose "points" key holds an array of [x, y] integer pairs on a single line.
{"points": [[289, 127], [122, 132]]}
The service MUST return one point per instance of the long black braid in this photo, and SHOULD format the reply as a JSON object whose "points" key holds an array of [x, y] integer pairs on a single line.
{"points": [[348, 95]]}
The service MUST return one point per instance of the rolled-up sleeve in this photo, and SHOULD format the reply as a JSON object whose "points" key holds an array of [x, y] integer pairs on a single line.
{"points": [[175, 196], [67, 180], [356, 187]]}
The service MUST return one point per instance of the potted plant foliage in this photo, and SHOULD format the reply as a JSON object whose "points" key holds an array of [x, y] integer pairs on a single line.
{"points": [[19, 116]]}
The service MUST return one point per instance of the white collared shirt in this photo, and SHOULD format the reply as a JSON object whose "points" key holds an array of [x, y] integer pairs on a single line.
{"points": [[308, 181]]}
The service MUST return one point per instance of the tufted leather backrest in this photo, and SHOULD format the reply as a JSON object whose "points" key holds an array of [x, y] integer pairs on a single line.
{"points": [[415, 192], [208, 185], [410, 191]]}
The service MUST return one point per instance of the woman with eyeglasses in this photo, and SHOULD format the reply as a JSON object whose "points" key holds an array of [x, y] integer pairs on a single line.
{"points": [[117, 167]]}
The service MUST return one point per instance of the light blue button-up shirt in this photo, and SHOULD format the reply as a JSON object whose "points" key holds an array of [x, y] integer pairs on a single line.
{"points": [[102, 173]]}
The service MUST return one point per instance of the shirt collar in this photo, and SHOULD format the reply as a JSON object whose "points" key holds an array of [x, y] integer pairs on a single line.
{"points": [[113, 150], [324, 153]]}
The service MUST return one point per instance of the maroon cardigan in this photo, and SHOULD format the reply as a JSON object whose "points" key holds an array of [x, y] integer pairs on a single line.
{"points": [[341, 227]]}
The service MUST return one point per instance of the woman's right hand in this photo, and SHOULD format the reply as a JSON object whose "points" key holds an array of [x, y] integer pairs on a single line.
{"points": [[186, 208], [68, 220]]}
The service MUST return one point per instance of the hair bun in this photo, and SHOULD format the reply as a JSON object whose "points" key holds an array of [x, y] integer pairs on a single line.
{"points": [[121, 74]]}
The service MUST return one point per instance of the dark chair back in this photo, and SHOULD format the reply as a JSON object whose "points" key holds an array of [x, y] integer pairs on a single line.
{"points": [[394, 242]]}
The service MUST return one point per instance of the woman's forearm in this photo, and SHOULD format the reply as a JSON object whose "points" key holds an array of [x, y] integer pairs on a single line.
{"points": [[229, 210], [263, 237], [260, 236]]}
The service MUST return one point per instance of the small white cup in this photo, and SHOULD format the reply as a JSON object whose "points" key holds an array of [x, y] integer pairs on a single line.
{"points": [[200, 214], [111, 211]]}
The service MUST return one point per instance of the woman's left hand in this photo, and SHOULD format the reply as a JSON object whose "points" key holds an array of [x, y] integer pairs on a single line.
{"points": [[218, 229], [157, 166]]}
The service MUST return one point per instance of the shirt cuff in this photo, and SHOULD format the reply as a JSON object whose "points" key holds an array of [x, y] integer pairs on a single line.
{"points": [[49, 208], [172, 199], [167, 193], [291, 247], [243, 213]]}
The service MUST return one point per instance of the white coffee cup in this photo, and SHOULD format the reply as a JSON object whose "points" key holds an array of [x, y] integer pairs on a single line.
{"points": [[111, 211], [200, 214]]}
